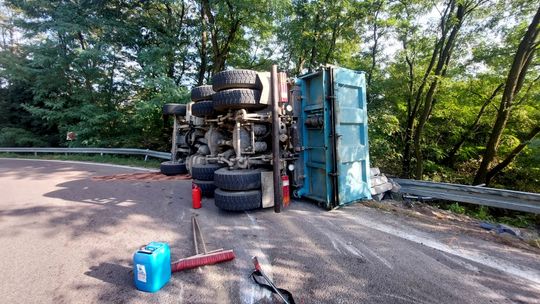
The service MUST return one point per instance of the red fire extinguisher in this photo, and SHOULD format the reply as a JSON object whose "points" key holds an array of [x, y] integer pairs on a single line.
{"points": [[286, 193], [196, 196]]}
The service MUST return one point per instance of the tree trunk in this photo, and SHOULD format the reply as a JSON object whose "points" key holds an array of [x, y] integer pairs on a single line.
{"points": [[514, 82], [373, 51], [450, 159], [440, 71], [411, 114], [314, 43], [202, 47], [419, 93], [332, 43], [499, 167]]}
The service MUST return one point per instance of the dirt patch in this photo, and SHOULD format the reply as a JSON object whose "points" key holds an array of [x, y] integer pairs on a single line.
{"points": [[458, 223], [147, 176]]}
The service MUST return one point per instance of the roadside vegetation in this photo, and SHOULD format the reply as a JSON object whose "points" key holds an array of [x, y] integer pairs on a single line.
{"points": [[453, 85], [132, 161], [493, 215]]}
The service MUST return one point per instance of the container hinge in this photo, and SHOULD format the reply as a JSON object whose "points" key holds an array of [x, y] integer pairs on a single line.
{"points": [[333, 174]]}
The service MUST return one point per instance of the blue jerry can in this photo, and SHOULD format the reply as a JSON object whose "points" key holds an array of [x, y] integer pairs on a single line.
{"points": [[152, 266]]}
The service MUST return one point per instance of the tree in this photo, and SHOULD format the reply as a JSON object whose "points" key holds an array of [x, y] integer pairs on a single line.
{"points": [[514, 82], [318, 33], [452, 19]]}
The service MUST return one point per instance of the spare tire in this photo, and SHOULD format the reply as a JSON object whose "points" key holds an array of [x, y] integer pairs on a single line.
{"points": [[204, 172], [174, 109], [238, 200], [202, 92], [237, 99], [237, 180], [207, 187], [203, 108], [232, 79], [172, 168]]}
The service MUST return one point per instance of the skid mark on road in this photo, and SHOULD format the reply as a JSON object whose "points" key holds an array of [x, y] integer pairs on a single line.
{"points": [[364, 248], [338, 242], [461, 263]]}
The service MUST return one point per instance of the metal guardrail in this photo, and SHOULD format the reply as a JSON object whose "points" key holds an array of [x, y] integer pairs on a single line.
{"points": [[500, 198], [125, 151]]}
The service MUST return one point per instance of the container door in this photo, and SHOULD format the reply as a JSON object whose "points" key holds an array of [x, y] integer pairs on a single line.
{"points": [[350, 135], [316, 141]]}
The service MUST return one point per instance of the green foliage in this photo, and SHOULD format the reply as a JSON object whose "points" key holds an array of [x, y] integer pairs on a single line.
{"points": [[383, 132], [493, 215], [456, 208], [104, 69], [17, 137]]}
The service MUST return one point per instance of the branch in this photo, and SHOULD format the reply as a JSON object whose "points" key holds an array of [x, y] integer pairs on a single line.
{"points": [[526, 140], [524, 97]]}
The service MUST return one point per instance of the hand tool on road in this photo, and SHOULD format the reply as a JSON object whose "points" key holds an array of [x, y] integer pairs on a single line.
{"points": [[204, 258], [285, 295]]}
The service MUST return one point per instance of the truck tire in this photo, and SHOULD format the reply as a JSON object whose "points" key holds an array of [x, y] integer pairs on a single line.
{"points": [[202, 92], [236, 79], [203, 108], [237, 180], [204, 172], [172, 168], [237, 200], [174, 109], [207, 187], [237, 99]]}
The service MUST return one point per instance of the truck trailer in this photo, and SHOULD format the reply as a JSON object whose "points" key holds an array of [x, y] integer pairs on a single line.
{"points": [[252, 139]]}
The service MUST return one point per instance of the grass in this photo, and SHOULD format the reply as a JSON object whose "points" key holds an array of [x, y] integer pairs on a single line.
{"points": [[125, 160], [494, 215]]}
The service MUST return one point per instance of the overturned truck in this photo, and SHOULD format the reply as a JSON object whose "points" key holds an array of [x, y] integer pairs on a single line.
{"points": [[251, 136]]}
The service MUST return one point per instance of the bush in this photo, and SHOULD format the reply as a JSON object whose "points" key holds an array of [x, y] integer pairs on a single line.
{"points": [[17, 137]]}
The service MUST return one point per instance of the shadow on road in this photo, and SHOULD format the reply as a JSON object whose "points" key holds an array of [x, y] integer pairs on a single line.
{"points": [[320, 256], [115, 274]]}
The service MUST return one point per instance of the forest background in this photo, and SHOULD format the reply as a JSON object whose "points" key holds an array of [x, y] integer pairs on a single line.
{"points": [[453, 86]]}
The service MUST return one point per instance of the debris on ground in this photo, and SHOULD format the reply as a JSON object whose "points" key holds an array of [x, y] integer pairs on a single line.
{"points": [[445, 220], [380, 184], [501, 228]]}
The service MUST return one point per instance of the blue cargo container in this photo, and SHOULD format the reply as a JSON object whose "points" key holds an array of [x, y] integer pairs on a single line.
{"points": [[334, 135], [152, 266]]}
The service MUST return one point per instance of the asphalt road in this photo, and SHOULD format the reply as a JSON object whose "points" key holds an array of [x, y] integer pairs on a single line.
{"points": [[68, 238]]}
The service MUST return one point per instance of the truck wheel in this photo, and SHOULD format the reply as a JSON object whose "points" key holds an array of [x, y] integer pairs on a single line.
{"points": [[237, 99], [174, 109], [202, 92], [204, 172], [237, 180], [207, 187], [172, 168], [203, 108], [238, 200], [233, 79]]}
